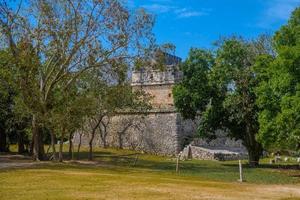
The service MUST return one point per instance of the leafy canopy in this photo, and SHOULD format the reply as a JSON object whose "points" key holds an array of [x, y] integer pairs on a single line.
{"points": [[219, 88], [279, 89]]}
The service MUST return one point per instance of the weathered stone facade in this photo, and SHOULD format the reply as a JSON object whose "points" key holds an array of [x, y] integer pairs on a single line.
{"points": [[158, 84], [157, 132], [201, 153], [221, 148]]}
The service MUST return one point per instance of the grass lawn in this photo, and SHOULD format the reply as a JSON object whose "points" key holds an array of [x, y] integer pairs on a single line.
{"points": [[113, 176]]}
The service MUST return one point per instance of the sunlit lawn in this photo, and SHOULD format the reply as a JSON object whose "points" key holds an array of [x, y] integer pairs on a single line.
{"points": [[115, 175]]}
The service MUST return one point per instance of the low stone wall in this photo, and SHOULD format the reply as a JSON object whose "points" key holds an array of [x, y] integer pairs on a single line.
{"points": [[222, 141], [201, 153], [163, 133]]}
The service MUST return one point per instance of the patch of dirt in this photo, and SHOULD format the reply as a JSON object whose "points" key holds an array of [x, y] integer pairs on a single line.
{"points": [[15, 161]]}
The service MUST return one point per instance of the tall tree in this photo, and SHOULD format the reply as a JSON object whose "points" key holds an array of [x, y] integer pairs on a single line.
{"points": [[54, 42], [279, 89], [5, 100], [219, 87], [11, 125], [70, 110]]}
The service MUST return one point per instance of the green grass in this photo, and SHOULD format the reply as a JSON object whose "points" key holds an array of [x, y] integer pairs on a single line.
{"points": [[114, 176], [209, 170]]}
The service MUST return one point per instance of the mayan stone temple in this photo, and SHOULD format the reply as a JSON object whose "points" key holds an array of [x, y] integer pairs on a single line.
{"points": [[161, 130]]}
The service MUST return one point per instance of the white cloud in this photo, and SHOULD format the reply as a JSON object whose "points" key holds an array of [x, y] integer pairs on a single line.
{"points": [[277, 10], [186, 13], [160, 8]]}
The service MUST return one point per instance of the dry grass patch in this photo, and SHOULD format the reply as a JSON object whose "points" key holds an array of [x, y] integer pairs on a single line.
{"points": [[152, 177], [69, 182]]}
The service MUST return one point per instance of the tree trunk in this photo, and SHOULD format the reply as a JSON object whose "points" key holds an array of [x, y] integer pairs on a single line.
{"points": [[31, 147], [254, 148], [103, 134], [38, 144], [254, 158], [54, 157], [36, 141], [3, 141], [27, 147], [91, 146], [79, 145], [98, 121], [122, 133], [120, 138], [41, 145], [61, 145], [104, 143], [254, 152], [71, 156], [21, 147]]}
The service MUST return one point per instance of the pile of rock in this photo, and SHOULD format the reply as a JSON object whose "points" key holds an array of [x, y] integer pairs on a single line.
{"points": [[204, 153]]}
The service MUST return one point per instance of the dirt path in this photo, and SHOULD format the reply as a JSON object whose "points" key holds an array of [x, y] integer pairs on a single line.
{"points": [[15, 161]]}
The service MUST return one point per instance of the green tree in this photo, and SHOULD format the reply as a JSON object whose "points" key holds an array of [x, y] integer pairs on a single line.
{"points": [[193, 93], [279, 89], [12, 125], [5, 100], [107, 97], [53, 43], [219, 87]]}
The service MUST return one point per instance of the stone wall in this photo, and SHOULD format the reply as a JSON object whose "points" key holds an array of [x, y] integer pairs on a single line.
{"points": [[162, 95], [158, 84], [159, 132], [222, 148], [201, 153], [222, 142]]}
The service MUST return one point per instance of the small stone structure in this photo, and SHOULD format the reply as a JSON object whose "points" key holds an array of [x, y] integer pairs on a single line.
{"points": [[201, 153], [222, 148]]}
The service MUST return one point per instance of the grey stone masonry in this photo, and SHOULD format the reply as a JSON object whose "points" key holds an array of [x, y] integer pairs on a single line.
{"points": [[222, 148], [144, 77], [201, 153], [156, 132]]}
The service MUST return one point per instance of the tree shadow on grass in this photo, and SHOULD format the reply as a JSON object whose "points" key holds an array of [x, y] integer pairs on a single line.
{"points": [[85, 155], [271, 166], [113, 162]]}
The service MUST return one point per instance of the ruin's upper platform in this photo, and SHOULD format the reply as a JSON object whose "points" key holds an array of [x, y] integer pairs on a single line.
{"points": [[168, 76]]}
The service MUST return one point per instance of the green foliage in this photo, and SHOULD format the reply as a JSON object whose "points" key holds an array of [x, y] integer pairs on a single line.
{"points": [[279, 89], [193, 93], [220, 88], [12, 125], [54, 45], [5, 101], [4, 86]]}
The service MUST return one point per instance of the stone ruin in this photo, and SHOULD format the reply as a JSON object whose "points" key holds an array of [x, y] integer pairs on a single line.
{"points": [[222, 148], [160, 130]]}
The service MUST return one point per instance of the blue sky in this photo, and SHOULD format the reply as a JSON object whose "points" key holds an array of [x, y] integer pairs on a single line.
{"points": [[198, 23]]}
